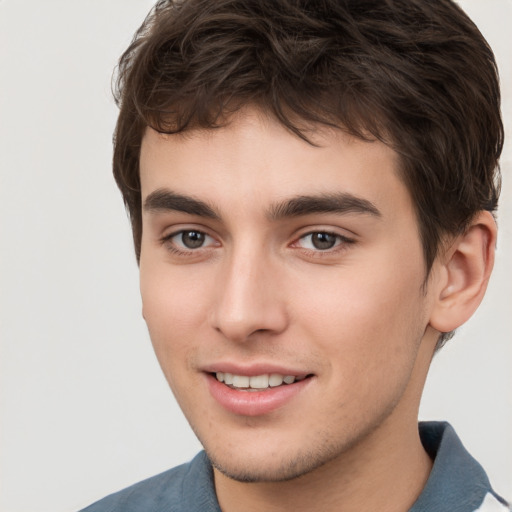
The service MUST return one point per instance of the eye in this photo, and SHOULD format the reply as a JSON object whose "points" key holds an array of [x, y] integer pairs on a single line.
{"points": [[321, 241], [190, 239]]}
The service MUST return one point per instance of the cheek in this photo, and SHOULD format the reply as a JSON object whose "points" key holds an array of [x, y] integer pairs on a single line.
{"points": [[170, 295], [368, 336], [368, 318], [173, 314]]}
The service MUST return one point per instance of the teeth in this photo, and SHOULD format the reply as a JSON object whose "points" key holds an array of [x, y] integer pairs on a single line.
{"points": [[241, 381], [257, 381], [275, 380]]}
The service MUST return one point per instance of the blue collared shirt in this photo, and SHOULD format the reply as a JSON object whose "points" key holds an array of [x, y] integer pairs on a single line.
{"points": [[457, 483]]}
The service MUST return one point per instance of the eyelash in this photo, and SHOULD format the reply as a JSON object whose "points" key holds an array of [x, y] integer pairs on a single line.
{"points": [[172, 247], [340, 243]]}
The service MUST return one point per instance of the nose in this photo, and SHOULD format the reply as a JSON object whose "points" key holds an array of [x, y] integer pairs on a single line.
{"points": [[248, 299]]}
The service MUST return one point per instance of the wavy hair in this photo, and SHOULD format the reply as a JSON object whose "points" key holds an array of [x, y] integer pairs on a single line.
{"points": [[415, 74]]}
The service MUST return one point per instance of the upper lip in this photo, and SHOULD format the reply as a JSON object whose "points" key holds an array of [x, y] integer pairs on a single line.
{"points": [[253, 369]]}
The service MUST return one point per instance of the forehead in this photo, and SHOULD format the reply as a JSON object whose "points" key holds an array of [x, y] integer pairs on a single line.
{"points": [[253, 160]]}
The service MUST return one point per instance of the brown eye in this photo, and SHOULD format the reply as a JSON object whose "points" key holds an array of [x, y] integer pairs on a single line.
{"points": [[192, 239], [321, 241], [189, 240]]}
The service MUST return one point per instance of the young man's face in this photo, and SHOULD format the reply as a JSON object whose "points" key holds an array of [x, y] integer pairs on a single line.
{"points": [[265, 257]]}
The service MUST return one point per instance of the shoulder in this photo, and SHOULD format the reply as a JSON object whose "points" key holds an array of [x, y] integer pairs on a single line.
{"points": [[188, 487]]}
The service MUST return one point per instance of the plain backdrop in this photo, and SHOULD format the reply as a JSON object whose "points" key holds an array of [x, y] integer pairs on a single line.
{"points": [[84, 408]]}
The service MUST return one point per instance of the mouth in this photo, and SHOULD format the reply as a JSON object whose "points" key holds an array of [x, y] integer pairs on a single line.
{"points": [[255, 393], [257, 382]]}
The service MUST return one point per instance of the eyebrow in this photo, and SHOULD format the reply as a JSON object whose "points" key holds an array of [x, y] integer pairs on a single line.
{"points": [[339, 203], [165, 200]]}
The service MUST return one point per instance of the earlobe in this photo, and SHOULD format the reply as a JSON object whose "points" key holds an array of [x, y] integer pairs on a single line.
{"points": [[465, 270]]}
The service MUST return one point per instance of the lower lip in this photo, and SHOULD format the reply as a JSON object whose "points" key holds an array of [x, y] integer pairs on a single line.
{"points": [[254, 403]]}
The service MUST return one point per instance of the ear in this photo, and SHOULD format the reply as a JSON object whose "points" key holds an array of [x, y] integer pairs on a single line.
{"points": [[462, 274]]}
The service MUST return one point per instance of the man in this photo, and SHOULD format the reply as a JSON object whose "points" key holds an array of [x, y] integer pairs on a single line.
{"points": [[311, 187]]}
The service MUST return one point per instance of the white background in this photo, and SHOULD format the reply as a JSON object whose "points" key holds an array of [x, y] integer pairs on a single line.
{"points": [[84, 408]]}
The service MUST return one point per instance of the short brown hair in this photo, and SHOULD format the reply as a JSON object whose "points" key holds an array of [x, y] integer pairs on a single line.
{"points": [[416, 74]]}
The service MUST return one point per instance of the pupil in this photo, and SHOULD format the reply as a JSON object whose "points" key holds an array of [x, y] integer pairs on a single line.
{"points": [[192, 239], [323, 241]]}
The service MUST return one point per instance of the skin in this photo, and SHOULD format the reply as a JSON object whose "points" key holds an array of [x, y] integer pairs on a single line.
{"points": [[355, 317]]}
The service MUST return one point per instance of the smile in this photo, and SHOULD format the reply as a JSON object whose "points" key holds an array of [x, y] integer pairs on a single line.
{"points": [[256, 382], [256, 395]]}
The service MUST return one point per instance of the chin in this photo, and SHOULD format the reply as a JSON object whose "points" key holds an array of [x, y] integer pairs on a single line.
{"points": [[269, 470], [264, 457], [277, 464]]}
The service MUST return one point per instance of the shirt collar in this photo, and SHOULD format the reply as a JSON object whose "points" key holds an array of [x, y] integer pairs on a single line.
{"points": [[457, 482]]}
